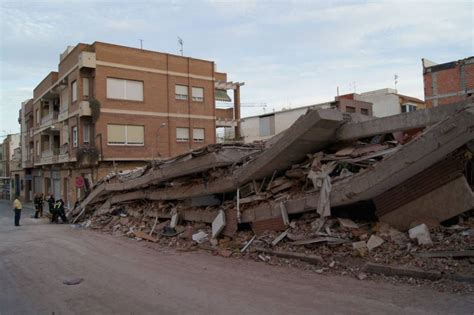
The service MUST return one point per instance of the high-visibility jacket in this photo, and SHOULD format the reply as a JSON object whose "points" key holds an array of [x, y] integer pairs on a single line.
{"points": [[17, 204]]}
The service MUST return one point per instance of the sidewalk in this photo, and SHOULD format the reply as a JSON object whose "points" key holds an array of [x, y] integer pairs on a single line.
{"points": [[26, 205]]}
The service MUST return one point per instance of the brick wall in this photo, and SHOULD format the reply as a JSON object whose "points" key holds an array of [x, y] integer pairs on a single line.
{"points": [[448, 83]]}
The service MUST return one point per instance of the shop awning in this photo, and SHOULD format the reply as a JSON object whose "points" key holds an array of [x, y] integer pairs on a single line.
{"points": [[221, 95]]}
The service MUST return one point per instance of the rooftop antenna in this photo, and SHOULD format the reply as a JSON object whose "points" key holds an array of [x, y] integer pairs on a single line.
{"points": [[180, 42], [141, 43], [395, 79]]}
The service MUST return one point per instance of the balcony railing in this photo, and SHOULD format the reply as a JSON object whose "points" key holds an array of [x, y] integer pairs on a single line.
{"points": [[48, 119], [63, 113]]}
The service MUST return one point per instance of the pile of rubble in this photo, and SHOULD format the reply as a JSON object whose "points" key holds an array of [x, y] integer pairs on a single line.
{"points": [[291, 197]]}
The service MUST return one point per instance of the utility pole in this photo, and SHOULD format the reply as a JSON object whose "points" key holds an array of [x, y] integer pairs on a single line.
{"points": [[141, 43]]}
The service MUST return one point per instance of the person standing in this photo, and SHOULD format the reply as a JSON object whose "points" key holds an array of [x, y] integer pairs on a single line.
{"points": [[59, 211], [51, 202], [41, 205], [17, 208], [37, 204]]}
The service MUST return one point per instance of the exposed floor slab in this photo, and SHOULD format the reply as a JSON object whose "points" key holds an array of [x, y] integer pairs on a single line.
{"points": [[405, 121]]}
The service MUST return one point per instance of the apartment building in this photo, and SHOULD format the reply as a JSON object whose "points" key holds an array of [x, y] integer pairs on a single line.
{"points": [[448, 82], [263, 127], [387, 102], [7, 163], [111, 107]]}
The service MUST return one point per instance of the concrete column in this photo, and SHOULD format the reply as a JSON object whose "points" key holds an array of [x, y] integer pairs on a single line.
{"points": [[237, 111]]}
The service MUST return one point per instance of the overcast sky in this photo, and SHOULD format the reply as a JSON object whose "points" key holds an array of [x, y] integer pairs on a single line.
{"points": [[288, 53]]}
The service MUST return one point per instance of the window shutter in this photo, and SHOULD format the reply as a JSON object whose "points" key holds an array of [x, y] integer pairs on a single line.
{"points": [[181, 89], [115, 88], [182, 134], [198, 94], [86, 129], [198, 134], [74, 91], [85, 87], [116, 134], [135, 134], [133, 90]]}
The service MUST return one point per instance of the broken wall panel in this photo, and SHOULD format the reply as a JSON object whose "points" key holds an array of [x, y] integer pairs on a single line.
{"points": [[434, 207], [421, 184], [427, 149]]}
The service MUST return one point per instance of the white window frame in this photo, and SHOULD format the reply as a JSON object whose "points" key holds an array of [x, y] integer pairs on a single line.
{"points": [[180, 96], [182, 139], [74, 90], [75, 141], [126, 137], [197, 98], [196, 139], [86, 133], [125, 97], [409, 108]]}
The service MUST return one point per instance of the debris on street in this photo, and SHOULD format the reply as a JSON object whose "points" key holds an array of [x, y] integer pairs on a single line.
{"points": [[328, 194]]}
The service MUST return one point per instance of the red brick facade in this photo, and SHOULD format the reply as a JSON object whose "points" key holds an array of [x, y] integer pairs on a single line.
{"points": [[75, 101], [449, 82]]}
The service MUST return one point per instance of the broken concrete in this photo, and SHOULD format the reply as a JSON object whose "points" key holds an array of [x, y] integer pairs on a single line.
{"points": [[374, 242], [401, 122], [422, 234], [218, 224]]}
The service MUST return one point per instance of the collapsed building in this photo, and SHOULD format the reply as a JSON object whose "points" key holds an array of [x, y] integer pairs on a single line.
{"points": [[406, 170]]}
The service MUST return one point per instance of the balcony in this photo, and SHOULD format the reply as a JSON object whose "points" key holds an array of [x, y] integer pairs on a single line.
{"points": [[64, 154], [49, 119], [63, 113], [85, 109]]}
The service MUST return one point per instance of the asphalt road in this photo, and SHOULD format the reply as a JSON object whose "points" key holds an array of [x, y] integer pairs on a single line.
{"points": [[122, 276]]}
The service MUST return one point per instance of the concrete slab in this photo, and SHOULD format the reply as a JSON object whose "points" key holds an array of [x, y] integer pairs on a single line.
{"points": [[405, 121], [218, 224]]}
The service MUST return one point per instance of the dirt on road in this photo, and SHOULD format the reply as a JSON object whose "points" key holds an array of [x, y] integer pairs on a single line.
{"points": [[123, 276]]}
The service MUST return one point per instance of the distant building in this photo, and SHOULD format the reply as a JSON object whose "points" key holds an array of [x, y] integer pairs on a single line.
{"points": [[7, 163], [265, 126], [387, 102], [110, 107], [379, 103], [449, 82]]}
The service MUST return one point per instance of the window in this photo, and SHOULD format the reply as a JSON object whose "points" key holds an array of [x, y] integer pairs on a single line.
{"points": [[86, 133], [350, 109], [38, 118], [182, 134], [181, 92], [198, 134], [364, 111], [198, 94], [38, 149], [85, 87], [408, 108], [125, 134], [74, 91], [124, 89], [74, 137]]}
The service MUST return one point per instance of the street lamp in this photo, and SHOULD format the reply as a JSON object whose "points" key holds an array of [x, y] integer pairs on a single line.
{"points": [[162, 125]]}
